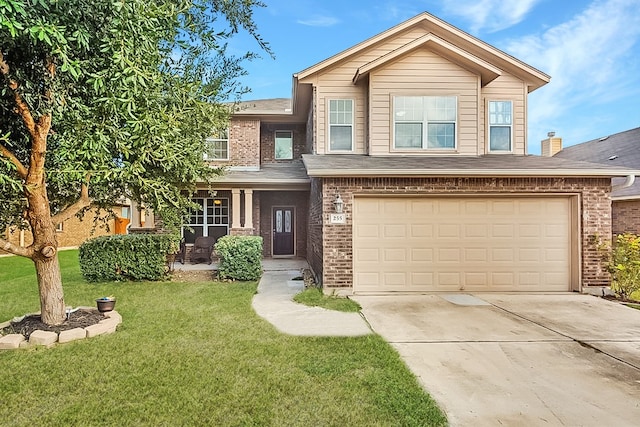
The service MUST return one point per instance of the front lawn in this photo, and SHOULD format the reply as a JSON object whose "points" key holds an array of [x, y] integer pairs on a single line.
{"points": [[196, 354]]}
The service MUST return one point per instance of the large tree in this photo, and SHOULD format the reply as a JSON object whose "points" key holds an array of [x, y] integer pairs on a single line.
{"points": [[103, 99]]}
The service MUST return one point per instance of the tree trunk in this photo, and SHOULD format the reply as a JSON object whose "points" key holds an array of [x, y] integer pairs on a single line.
{"points": [[52, 308]]}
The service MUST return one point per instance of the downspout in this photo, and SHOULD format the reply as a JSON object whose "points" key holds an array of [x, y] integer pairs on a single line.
{"points": [[627, 183]]}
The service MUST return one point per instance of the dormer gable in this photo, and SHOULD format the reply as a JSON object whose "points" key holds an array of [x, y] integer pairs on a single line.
{"points": [[458, 43]]}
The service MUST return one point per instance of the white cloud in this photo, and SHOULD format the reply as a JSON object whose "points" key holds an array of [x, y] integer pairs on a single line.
{"points": [[589, 58], [489, 15], [319, 21]]}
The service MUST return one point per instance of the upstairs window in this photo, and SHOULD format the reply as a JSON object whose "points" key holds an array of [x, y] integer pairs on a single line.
{"points": [[500, 125], [425, 122], [341, 125], [217, 146], [284, 145]]}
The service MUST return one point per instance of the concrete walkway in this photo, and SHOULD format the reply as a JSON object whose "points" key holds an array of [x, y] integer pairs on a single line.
{"points": [[274, 302]]}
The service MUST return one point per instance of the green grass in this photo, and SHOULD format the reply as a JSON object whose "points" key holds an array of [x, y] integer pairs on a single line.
{"points": [[314, 297], [196, 354]]}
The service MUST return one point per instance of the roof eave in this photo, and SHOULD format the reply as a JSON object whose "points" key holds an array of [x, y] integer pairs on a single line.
{"points": [[575, 173]]}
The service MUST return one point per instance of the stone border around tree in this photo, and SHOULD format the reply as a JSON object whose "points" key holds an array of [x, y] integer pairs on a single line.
{"points": [[49, 338]]}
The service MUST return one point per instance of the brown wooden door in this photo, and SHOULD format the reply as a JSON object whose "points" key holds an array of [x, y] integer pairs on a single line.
{"points": [[283, 226]]}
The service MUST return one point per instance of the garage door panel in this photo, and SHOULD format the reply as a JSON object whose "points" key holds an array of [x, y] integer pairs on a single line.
{"points": [[421, 231], [475, 255], [422, 279], [395, 255], [475, 231], [448, 231], [421, 255], [449, 244], [502, 231]]}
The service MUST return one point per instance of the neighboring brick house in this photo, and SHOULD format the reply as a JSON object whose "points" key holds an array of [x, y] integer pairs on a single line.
{"points": [[620, 149], [74, 231], [401, 164]]}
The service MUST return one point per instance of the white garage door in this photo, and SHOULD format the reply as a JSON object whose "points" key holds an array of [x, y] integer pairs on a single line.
{"points": [[469, 243]]}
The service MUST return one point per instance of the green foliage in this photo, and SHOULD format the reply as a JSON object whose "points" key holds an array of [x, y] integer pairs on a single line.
{"points": [[240, 257], [624, 265], [197, 355], [126, 257], [314, 297], [133, 89]]}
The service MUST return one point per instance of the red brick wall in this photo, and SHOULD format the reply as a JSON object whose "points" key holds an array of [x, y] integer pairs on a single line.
{"points": [[337, 251], [314, 230], [244, 143], [299, 199], [268, 136], [626, 216]]}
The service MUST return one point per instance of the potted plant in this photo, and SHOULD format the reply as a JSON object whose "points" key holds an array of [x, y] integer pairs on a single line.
{"points": [[106, 303]]}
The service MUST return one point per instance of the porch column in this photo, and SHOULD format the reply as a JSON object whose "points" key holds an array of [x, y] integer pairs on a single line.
{"points": [[235, 208], [149, 218], [248, 208], [135, 215]]}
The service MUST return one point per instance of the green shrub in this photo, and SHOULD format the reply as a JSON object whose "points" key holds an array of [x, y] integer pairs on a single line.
{"points": [[240, 257], [624, 265], [126, 257]]}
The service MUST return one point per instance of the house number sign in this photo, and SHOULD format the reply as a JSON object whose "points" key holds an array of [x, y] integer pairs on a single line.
{"points": [[337, 218]]}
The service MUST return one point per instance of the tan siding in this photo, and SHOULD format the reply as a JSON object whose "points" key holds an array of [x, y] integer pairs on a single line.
{"points": [[426, 73], [336, 83], [506, 87], [335, 91]]}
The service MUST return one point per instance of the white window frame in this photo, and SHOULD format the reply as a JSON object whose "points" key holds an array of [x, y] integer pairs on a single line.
{"points": [[60, 227], [215, 219], [425, 121], [218, 137], [491, 125], [275, 144], [330, 125]]}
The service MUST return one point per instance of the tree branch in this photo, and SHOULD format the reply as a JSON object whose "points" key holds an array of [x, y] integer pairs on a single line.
{"points": [[22, 171], [68, 212], [16, 250], [21, 107]]}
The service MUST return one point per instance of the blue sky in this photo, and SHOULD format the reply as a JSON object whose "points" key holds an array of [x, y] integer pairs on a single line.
{"points": [[591, 50]]}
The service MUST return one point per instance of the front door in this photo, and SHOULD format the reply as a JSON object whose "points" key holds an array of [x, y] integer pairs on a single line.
{"points": [[283, 226]]}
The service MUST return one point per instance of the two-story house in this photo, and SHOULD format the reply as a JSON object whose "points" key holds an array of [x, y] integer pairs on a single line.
{"points": [[400, 164]]}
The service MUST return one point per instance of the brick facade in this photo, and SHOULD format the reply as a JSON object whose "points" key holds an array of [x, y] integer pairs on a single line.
{"points": [[315, 252], [625, 216], [244, 143], [73, 232], [267, 141], [336, 268]]}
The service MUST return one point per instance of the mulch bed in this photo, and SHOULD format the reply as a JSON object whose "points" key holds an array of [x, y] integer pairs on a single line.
{"points": [[78, 319]]}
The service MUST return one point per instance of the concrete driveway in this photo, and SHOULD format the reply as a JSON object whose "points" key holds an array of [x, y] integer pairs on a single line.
{"points": [[487, 359]]}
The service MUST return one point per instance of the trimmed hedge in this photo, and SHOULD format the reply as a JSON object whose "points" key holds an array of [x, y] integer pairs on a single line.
{"points": [[126, 257], [240, 257]]}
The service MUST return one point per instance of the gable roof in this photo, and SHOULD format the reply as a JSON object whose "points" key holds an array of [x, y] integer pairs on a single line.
{"points": [[487, 71], [454, 37], [620, 149]]}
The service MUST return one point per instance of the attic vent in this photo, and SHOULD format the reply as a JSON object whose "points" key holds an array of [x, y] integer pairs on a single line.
{"points": [[613, 157], [604, 138]]}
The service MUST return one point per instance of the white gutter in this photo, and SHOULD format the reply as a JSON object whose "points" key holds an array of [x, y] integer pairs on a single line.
{"points": [[627, 183]]}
